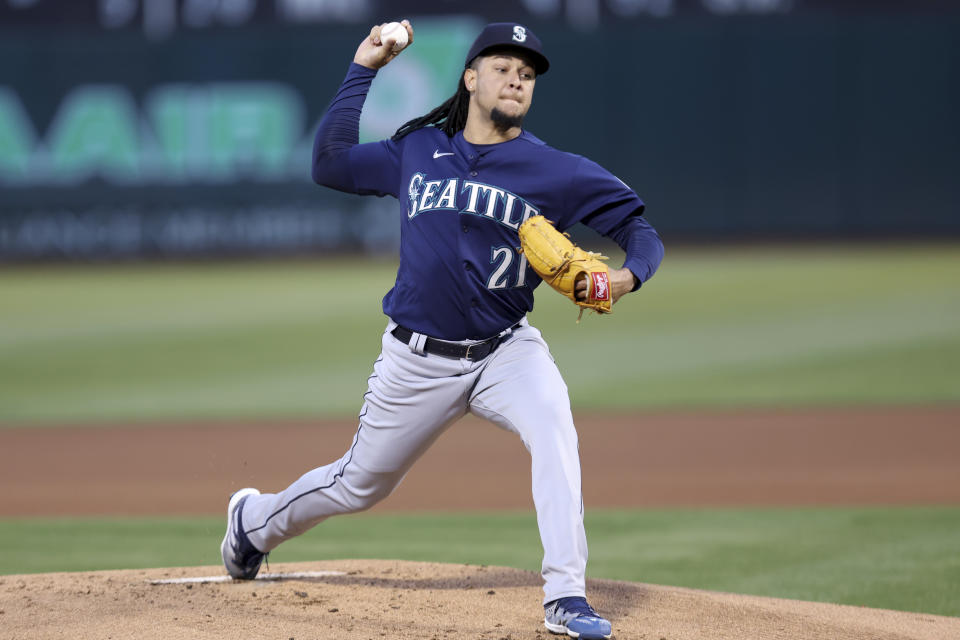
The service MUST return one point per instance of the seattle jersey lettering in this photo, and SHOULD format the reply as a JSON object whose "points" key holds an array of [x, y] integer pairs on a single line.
{"points": [[476, 198]]}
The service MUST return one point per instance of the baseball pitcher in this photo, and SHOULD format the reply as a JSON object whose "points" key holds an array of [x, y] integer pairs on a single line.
{"points": [[483, 204]]}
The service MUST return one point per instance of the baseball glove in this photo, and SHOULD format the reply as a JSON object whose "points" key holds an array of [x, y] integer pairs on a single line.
{"points": [[563, 264]]}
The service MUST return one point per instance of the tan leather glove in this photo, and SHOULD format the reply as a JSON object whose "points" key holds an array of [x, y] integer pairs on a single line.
{"points": [[562, 264]]}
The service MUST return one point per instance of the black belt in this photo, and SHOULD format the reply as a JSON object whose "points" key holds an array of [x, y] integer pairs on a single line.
{"points": [[476, 351]]}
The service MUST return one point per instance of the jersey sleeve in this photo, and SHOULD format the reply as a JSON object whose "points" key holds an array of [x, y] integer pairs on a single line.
{"points": [[376, 167], [607, 205], [642, 244], [339, 161], [599, 199]]}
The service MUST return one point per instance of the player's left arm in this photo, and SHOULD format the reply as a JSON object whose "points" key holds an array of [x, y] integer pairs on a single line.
{"points": [[607, 205]]}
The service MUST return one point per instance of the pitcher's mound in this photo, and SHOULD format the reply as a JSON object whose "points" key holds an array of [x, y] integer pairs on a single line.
{"points": [[373, 599]]}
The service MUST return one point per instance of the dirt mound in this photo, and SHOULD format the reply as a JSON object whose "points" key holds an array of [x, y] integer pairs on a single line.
{"points": [[372, 599]]}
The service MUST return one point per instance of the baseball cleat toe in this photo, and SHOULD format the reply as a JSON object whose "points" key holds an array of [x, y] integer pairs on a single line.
{"points": [[574, 617]]}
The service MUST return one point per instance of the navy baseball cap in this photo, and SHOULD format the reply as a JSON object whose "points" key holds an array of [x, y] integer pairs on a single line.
{"points": [[509, 34]]}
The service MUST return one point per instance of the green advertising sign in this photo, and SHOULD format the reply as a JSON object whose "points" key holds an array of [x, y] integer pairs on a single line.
{"points": [[213, 131], [110, 145]]}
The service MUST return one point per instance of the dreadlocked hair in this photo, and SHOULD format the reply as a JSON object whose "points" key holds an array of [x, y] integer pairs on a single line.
{"points": [[450, 117]]}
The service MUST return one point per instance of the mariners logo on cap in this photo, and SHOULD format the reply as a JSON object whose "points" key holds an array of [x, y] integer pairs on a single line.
{"points": [[519, 34]]}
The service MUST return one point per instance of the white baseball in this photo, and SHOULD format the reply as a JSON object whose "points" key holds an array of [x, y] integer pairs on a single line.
{"points": [[394, 33]]}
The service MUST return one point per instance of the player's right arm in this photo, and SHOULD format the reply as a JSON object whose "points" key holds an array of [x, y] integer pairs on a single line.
{"points": [[339, 161]]}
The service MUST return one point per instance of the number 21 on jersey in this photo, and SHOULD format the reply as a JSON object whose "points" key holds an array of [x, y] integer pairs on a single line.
{"points": [[502, 277]]}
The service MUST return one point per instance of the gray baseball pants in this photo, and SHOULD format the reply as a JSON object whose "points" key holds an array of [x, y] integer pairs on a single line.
{"points": [[411, 400]]}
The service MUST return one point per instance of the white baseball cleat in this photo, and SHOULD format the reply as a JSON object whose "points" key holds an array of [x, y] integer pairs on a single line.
{"points": [[240, 557]]}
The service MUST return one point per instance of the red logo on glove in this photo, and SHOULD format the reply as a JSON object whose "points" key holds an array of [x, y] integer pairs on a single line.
{"points": [[601, 285]]}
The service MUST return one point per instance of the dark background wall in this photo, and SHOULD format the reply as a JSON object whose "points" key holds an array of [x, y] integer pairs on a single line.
{"points": [[732, 118], [813, 125]]}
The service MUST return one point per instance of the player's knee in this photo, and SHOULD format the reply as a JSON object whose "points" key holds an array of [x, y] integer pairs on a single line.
{"points": [[549, 430], [362, 496], [557, 443]]}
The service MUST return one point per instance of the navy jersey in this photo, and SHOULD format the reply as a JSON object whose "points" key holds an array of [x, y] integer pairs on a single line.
{"points": [[461, 274]]}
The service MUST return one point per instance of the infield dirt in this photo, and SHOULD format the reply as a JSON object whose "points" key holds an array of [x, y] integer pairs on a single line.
{"points": [[765, 457], [417, 601]]}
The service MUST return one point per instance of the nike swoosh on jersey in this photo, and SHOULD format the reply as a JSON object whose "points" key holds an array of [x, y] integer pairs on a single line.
{"points": [[437, 154]]}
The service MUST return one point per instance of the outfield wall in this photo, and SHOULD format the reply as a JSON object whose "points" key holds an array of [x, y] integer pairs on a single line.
{"points": [[798, 120]]}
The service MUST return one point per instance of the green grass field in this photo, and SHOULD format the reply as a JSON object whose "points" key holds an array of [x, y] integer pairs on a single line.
{"points": [[907, 558], [728, 327], [789, 326]]}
